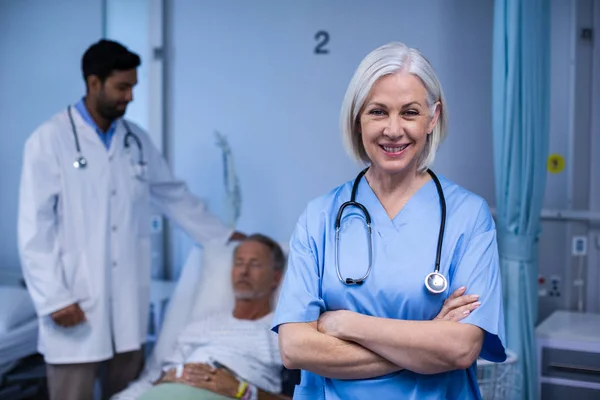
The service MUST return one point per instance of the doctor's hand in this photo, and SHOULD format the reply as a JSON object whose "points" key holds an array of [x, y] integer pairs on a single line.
{"points": [[458, 306], [237, 236], [68, 316]]}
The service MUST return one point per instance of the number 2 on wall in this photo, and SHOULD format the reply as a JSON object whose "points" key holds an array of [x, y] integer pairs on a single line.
{"points": [[322, 37]]}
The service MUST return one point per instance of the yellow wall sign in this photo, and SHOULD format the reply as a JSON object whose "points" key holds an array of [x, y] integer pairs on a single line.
{"points": [[556, 163]]}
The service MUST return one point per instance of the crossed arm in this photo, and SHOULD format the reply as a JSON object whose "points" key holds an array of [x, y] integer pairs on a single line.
{"points": [[347, 345]]}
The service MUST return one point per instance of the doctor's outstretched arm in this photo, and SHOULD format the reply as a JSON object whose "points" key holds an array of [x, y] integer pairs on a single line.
{"points": [[37, 226], [174, 199]]}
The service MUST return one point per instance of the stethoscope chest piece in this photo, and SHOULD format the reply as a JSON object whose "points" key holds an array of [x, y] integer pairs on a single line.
{"points": [[80, 163], [436, 283]]}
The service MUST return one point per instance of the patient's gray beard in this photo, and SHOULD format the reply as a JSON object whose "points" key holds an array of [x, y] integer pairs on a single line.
{"points": [[249, 295]]}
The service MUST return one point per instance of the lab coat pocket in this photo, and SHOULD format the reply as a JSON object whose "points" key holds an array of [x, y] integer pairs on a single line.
{"points": [[77, 279], [309, 392], [139, 189]]}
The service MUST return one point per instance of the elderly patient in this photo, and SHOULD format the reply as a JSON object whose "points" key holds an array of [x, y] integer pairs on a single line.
{"points": [[232, 355]]}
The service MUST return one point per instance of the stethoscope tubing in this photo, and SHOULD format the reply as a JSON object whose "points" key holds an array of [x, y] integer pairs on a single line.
{"points": [[81, 161], [367, 216]]}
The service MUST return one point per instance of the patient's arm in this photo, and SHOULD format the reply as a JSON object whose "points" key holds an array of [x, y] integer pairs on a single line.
{"points": [[220, 381]]}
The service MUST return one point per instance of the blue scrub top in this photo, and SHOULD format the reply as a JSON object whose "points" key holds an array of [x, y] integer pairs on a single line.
{"points": [[404, 250]]}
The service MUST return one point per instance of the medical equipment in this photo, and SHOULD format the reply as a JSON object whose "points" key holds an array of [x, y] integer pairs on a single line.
{"points": [[435, 281], [568, 356], [80, 162]]}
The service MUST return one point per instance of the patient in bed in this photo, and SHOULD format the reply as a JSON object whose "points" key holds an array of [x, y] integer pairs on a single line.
{"points": [[231, 355]]}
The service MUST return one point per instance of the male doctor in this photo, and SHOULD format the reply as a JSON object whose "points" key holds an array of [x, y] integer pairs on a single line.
{"points": [[83, 229]]}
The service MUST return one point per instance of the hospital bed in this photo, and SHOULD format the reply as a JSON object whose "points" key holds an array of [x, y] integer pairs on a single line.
{"points": [[204, 287], [19, 369]]}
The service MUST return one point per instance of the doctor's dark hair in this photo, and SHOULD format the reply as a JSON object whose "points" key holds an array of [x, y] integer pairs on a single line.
{"points": [[386, 60], [275, 249], [106, 56]]}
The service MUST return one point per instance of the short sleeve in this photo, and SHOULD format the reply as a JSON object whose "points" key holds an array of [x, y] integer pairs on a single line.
{"points": [[479, 271], [300, 300]]}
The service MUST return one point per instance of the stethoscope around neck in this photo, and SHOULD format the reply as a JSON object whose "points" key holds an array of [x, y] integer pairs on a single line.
{"points": [[435, 282], [81, 162]]}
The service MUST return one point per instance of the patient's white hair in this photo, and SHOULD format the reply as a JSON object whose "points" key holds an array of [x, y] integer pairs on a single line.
{"points": [[386, 60]]}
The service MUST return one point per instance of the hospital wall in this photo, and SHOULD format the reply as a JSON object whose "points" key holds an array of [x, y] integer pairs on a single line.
{"points": [[41, 43], [250, 71]]}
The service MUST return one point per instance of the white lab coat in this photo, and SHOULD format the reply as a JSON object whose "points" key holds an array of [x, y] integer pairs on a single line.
{"points": [[84, 235]]}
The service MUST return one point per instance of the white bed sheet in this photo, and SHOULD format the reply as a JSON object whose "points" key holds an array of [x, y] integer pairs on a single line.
{"points": [[18, 343]]}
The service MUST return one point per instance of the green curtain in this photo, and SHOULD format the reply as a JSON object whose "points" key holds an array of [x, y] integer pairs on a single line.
{"points": [[521, 71]]}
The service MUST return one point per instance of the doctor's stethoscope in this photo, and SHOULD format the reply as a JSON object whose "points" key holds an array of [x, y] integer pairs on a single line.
{"points": [[81, 163], [435, 282]]}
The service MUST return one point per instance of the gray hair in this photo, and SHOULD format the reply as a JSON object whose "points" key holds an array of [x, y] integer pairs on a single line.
{"points": [[275, 249], [386, 60]]}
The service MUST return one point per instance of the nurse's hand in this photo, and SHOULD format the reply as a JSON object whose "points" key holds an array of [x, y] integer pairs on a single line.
{"points": [[69, 316], [458, 306], [334, 323]]}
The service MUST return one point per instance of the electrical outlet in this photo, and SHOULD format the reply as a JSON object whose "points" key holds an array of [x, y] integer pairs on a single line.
{"points": [[579, 246], [554, 290]]}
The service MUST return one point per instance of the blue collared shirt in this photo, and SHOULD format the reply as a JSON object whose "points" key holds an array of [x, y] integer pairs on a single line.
{"points": [[105, 137]]}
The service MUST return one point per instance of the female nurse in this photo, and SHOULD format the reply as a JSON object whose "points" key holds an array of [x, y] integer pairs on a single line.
{"points": [[357, 309]]}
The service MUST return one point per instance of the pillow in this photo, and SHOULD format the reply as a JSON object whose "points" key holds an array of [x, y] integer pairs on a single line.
{"points": [[16, 307], [215, 292]]}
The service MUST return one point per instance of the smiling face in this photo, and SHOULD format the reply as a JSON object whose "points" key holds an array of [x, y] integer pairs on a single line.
{"points": [[394, 123]]}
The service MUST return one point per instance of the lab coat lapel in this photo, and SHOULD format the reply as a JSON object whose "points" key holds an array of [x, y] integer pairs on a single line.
{"points": [[89, 135], [118, 138]]}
